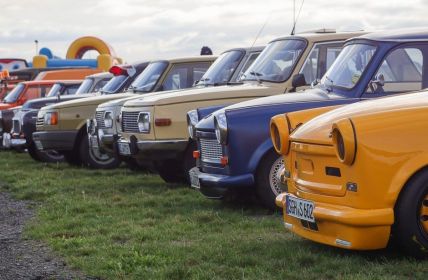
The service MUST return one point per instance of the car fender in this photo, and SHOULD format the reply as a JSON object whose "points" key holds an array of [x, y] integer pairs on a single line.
{"points": [[259, 153]]}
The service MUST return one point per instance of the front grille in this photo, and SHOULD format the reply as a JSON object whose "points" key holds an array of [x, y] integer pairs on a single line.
{"points": [[130, 121], [99, 116], [40, 121], [16, 127], [211, 150]]}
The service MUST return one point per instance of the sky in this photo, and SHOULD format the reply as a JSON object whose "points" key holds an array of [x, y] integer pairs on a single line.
{"points": [[156, 29]]}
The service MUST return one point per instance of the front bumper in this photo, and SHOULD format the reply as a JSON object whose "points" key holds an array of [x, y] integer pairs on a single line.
{"points": [[217, 186], [341, 226], [55, 140], [17, 142], [154, 149]]}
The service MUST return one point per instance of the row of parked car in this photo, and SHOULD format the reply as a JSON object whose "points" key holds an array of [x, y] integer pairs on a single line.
{"points": [[266, 119]]}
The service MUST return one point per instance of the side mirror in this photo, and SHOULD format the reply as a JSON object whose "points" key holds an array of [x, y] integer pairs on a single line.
{"points": [[377, 83], [298, 80], [379, 80]]}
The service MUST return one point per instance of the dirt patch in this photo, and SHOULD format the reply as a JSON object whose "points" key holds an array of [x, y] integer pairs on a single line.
{"points": [[21, 258]]}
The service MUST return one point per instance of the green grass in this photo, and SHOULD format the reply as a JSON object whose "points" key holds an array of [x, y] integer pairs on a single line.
{"points": [[120, 224]]}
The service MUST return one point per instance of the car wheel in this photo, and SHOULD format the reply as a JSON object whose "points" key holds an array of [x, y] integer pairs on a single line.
{"points": [[71, 157], [410, 230], [268, 181], [44, 156], [171, 172], [95, 158], [189, 162]]}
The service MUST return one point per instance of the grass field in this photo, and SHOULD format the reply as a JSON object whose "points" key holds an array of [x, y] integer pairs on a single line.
{"points": [[120, 224]]}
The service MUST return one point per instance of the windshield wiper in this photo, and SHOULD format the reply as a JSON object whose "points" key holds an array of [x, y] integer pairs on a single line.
{"points": [[256, 75]]}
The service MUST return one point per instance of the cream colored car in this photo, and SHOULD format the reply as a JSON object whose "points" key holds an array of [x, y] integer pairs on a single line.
{"points": [[154, 129], [63, 126]]}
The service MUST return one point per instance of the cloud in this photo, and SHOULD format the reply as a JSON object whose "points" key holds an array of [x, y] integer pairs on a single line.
{"points": [[149, 29]]}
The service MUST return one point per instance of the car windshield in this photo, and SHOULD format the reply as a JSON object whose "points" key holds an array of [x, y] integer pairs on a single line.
{"points": [[86, 85], [147, 80], [276, 62], [14, 94], [55, 90], [349, 66], [114, 84], [222, 69]]}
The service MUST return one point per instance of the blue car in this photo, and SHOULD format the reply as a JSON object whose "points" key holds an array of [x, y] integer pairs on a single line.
{"points": [[235, 151]]}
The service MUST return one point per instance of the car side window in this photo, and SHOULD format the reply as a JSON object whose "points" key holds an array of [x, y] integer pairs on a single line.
{"points": [[36, 92], [319, 60], [176, 78], [249, 61], [71, 90], [100, 84], [400, 71]]}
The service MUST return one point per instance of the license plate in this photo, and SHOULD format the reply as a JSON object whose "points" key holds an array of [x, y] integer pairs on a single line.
{"points": [[194, 178], [300, 208], [124, 148], [39, 145], [93, 141]]}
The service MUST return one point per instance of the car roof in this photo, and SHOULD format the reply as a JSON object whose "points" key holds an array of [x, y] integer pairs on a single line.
{"points": [[41, 82], [200, 58], [397, 35], [101, 75], [322, 35], [247, 49]]}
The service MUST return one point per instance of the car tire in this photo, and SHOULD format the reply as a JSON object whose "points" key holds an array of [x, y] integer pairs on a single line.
{"points": [[93, 158], [72, 158], [171, 172], [267, 179], [189, 162], [410, 230], [44, 156]]}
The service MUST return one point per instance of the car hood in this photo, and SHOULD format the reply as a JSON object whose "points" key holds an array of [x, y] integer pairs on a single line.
{"points": [[95, 100], [318, 129], [210, 93], [41, 102], [120, 102], [310, 95], [4, 106]]}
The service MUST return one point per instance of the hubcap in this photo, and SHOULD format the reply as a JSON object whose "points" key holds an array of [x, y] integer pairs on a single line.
{"points": [[424, 213], [275, 176]]}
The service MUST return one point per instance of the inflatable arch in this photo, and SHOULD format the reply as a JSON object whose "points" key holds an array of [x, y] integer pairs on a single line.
{"points": [[106, 58]]}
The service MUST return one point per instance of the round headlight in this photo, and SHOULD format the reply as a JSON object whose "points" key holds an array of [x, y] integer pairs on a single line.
{"points": [[220, 124], [144, 122], [344, 140], [108, 119], [192, 120], [280, 134]]}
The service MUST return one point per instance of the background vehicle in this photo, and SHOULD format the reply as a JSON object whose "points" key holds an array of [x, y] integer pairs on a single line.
{"points": [[369, 66], [24, 122], [163, 141], [227, 69], [361, 171], [69, 133]]}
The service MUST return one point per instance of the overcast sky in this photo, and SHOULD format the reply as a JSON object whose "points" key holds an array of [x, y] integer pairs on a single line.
{"points": [[150, 29]]}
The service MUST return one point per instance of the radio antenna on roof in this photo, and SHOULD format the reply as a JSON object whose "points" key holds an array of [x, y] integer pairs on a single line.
{"points": [[261, 30], [295, 19]]}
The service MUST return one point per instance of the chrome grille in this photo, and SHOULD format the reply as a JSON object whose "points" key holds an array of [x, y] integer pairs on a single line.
{"points": [[211, 150], [16, 127], [99, 116], [40, 121], [130, 121]]}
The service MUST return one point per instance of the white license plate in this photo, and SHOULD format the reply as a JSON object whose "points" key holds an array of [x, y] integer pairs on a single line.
{"points": [[194, 178], [39, 145], [93, 141], [300, 208], [124, 148]]}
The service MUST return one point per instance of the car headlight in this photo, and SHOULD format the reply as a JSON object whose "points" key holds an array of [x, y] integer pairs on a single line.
{"points": [[108, 119], [220, 124], [144, 122], [192, 120], [280, 134], [344, 141], [51, 118]]}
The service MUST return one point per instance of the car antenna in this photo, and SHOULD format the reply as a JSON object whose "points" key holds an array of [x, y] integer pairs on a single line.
{"points": [[257, 37], [295, 19]]}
